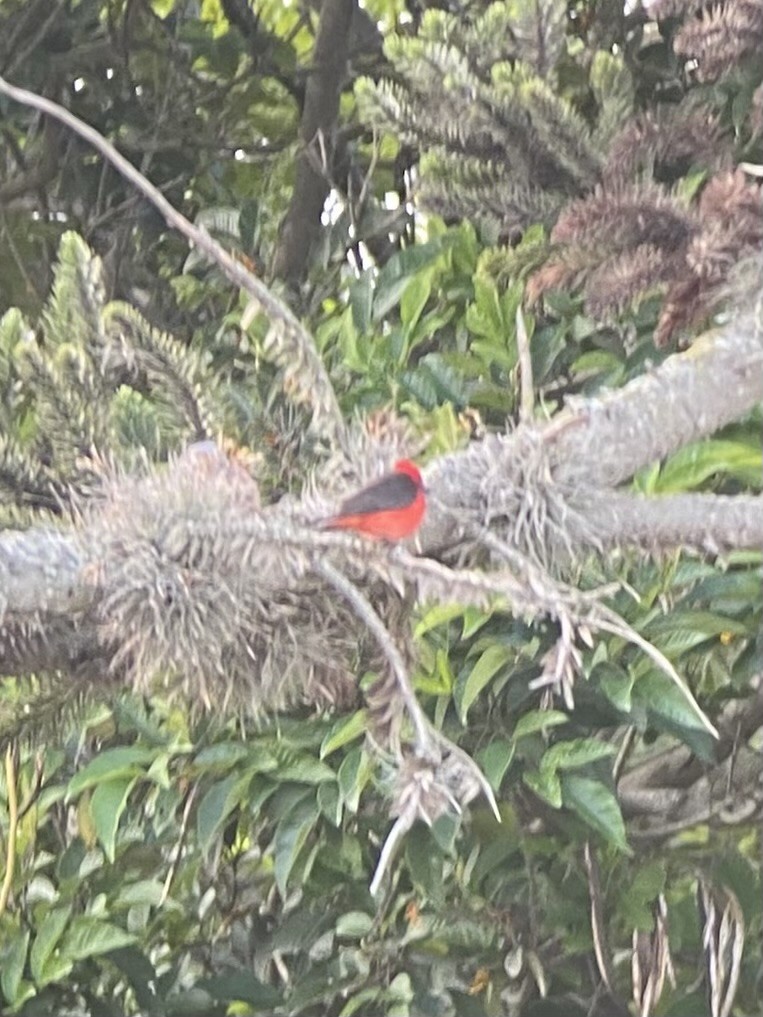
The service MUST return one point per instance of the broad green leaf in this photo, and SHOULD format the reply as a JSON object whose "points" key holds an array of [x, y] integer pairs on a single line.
{"points": [[546, 785], [330, 802], [361, 301], [343, 732], [414, 300], [597, 806], [538, 720], [475, 618], [140, 974], [243, 986], [577, 752], [680, 631], [695, 464], [616, 684], [354, 925], [215, 807], [353, 775], [12, 963], [396, 275], [445, 829], [48, 935], [438, 615], [126, 761], [669, 710], [89, 937], [223, 755], [495, 760], [306, 770], [291, 834], [106, 806], [372, 999], [638, 895], [487, 666], [145, 891], [425, 863], [440, 680], [595, 362]]}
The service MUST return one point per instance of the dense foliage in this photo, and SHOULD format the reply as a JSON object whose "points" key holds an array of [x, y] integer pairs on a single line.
{"points": [[165, 857]]}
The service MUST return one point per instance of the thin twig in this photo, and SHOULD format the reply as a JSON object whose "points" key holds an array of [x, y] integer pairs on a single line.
{"points": [[425, 742], [401, 826], [191, 796], [527, 395], [323, 394], [13, 822]]}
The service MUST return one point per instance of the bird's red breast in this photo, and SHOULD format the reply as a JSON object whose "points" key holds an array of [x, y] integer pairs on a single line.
{"points": [[391, 508]]}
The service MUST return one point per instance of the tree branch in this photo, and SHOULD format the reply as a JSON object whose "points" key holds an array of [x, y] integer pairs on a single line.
{"points": [[324, 86], [312, 383]]}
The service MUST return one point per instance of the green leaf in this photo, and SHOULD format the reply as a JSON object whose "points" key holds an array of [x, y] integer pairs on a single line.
{"points": [[354, 925], [495, 760], [680, 631], [616, 684], [291, 834], [127, 761], [244, 987], [353, 775], [89, 937], [106, 806], [695, 464], [343, 732], [578, 752], [396, 275], [597, 806], [414, 300], [306, 770], [425, 862], [546, 785], [487, 666], [215, 807], [669, 710], [145, 891], [49, 933], [438, 615], [223, 755], [330, 803], [538, 720], [361, 301], [639, 893], [12, 965]]}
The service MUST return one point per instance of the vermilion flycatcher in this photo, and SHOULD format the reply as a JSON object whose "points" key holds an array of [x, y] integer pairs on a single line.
{"points": [[389, 509]]}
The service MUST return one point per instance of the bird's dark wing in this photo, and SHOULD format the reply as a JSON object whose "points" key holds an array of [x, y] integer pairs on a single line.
{"points": [[391, 492]]}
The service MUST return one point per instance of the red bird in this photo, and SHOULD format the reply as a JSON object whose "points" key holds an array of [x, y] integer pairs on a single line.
{"points": [[389, 509]]}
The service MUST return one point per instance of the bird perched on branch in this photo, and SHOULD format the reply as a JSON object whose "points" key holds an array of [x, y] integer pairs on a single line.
{"points": [[391, 508]]}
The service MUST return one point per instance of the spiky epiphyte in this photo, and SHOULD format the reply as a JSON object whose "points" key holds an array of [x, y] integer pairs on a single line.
{"points": [[203, 592]]}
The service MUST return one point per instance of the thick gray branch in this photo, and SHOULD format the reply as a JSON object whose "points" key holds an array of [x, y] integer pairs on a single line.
{"points": [[703, 522], [689, 396], [600, 442]]}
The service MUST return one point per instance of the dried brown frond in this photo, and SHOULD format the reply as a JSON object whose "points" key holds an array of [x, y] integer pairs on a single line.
{"points": [[569, 266], [624, 278], [665, 140], [623, 217], [730, 214], [659, 9], [622, 242], [721, 36]]}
